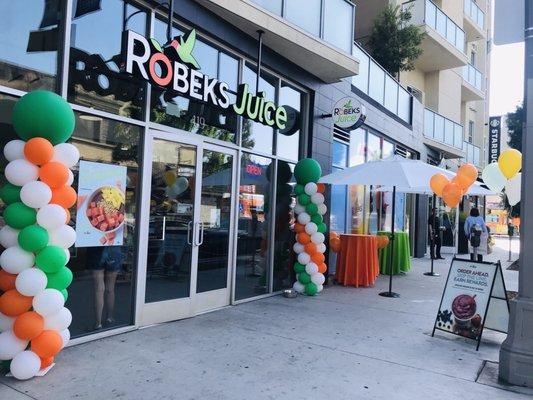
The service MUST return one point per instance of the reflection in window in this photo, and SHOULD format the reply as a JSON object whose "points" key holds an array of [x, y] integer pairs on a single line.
{"points": [[288, 139], [340, 154], [95, 79], [357, 206], [252, 270], [373, 147], [338, 24], [357, 146], [29, 44]]}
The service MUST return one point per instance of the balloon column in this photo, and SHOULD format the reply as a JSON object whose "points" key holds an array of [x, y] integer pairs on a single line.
{"points": [[33, 276], [309, 228], [505, 174], [453, 190]]}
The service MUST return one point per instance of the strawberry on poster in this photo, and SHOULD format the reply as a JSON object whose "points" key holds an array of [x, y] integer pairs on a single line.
{"points": [[101, 204]]}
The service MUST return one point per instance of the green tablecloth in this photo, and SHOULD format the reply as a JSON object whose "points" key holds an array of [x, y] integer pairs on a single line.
{"points": [[402, 254]]}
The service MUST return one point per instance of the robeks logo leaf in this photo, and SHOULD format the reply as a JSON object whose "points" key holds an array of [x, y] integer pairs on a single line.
{"points": [[348, 104], [184, 45]]}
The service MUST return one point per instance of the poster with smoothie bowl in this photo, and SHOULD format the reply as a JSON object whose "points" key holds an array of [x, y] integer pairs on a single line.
{"points": [[101, 204], [466, 296]]}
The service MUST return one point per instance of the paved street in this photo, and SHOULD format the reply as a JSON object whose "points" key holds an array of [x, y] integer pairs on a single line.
{"points": [[346, 343]]}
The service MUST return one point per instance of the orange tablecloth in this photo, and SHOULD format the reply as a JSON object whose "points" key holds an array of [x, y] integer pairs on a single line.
{"points": [[357, 262]]}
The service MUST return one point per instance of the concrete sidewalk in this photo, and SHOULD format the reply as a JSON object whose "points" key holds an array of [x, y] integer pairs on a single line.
{"points": [[346, 343]]}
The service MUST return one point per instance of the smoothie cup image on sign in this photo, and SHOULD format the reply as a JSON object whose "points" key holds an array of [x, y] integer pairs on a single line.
{"points": [[105, 209]]}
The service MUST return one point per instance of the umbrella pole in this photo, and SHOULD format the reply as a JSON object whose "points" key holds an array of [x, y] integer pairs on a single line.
{"points": [[390, 293], [432, 238]]}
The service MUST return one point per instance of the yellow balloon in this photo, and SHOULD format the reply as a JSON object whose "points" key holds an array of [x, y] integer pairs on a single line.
{"points": [[169, 177], [510, 163]]}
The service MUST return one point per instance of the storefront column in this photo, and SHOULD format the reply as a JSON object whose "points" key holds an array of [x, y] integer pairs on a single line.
{"points": [[516, 354]]}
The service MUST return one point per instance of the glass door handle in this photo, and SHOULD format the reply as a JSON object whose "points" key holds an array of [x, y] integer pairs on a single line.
{"points": [[164, 227], [201, 231], [189, 233]]}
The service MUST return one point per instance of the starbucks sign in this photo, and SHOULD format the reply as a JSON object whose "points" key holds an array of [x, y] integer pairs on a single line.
{"points": [[348, 113]]}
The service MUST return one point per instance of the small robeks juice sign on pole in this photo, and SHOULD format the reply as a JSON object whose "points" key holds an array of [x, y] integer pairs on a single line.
{"points": [[33, 276]]}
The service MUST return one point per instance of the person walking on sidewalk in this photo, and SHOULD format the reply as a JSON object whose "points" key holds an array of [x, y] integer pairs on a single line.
{"points": [[435, 242], [475, 227]]}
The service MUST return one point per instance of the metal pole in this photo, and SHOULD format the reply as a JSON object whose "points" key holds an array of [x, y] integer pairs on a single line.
{"points": [[432, 239], [390, 293], [510, 243], [170, 17], [259, 59]]}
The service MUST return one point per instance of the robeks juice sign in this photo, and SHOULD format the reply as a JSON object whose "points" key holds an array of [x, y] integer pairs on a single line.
{"points": [[179, 73]]}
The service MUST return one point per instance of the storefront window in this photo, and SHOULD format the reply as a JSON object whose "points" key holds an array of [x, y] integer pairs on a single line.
{"points": [[340, 154], [357, 146], [95, 79], [288, 140], [284, 237], [337, 221], [387, 149], [29, 44], [252, 269]]}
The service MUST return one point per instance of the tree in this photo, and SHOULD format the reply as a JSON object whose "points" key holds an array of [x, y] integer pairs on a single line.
{"points": [[515, 121], [394, 42]]}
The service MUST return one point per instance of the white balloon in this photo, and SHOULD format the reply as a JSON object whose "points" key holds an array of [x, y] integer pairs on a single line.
{"points": [[513, 188], [67, 154], [36, 194], [65, 335], [310, 188], [67, 253], [304, 258], [48, 302], [298, 209], [311, 268], [318, 279], [321, 247], [317, 198], [15, 260], [58, 321], [311, 228], [20, 172], [6, 322], [10, 345], [319, 288], [298, 248], [304, 218], [9, 236], [31, 282], [51, 216], [317, 238], [14, 150], [299, 287], [64, 236], [70, 179], [322, 209], [25, 365], [493, 177]]}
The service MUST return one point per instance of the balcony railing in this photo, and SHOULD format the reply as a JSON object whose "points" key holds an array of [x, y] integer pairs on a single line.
{"points": [[374, 81], [475, 13], [426, 12], [472, 153], [330, 20], [473, 76], [442, 129]]}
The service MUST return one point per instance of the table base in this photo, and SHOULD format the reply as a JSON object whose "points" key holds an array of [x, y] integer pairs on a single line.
{"points": [[389, 294]]}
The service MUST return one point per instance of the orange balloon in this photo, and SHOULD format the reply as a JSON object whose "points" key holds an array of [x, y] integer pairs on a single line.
{"points": [[333, 235], [46, 362], [318, 258], [47, 344], [310, 248], [383, 241], [303, 238], [468, 171], [452, 194], [65, 196], [7, 281], [54, 174], [299, 228], [12, 303], [320, 187], [437, 183], [335, 244], [38, 151], [462, 181], [67, 211], [322, 268], [28, 326]]}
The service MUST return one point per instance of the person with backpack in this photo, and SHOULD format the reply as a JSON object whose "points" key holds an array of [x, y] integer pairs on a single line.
{"points": [[477, 234]]}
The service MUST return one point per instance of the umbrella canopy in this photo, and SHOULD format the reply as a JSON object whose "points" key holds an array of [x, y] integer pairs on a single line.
{"points": [[475, 190]]}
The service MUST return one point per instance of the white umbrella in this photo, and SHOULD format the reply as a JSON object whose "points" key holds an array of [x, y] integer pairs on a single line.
{"points": [[475, 190]]}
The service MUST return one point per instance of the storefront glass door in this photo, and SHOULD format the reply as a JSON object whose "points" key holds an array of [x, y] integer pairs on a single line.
{"points": [[188, 204]]}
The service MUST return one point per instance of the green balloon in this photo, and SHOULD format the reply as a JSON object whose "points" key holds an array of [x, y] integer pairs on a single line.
{"points": [[59, 280], [311, 209], [307, 170], [10, 193], [51, 259], [18, 215], [304, 278], [317, 219], [322, 228], [43, 114], [298, 190], [299, 268], [311, 289], [304, 199], [64, 292], [33, 238]]}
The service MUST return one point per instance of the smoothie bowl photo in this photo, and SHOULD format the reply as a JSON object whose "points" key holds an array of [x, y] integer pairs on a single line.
{"points": [[464, 307], [105, 209]]}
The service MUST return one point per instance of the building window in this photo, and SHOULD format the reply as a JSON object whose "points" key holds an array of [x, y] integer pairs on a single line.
{"points": [[471, 128]]}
